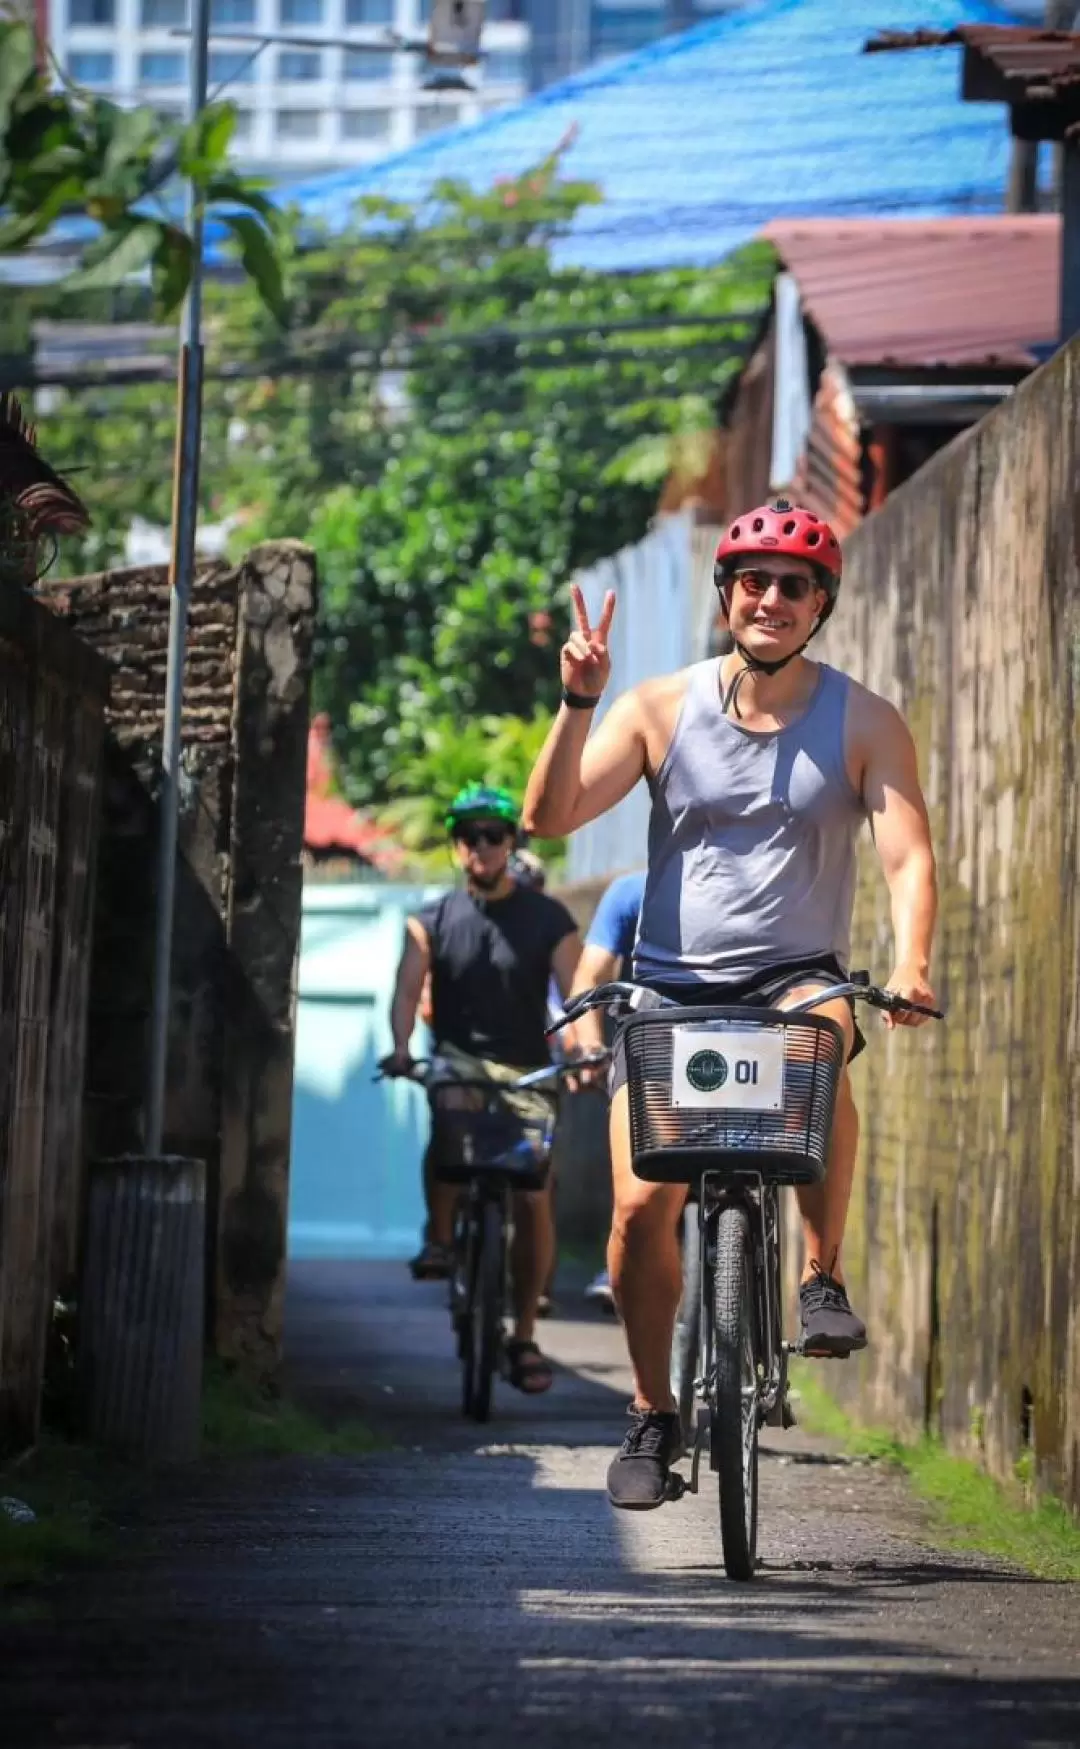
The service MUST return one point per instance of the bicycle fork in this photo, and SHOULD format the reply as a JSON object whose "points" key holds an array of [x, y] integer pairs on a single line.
{"points": [[774, 1408]]}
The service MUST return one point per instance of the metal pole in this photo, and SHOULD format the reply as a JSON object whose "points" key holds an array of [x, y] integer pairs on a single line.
{"points": [[181, 574]]}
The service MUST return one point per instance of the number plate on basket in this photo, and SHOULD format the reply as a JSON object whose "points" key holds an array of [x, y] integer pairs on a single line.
{"points": [[727, 1068]]}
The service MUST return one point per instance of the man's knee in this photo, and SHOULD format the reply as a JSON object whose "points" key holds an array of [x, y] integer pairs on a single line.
{"points": [[639, 1220]]}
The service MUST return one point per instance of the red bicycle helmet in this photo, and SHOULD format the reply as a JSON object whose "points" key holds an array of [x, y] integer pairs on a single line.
{"points": [[781, 527]]}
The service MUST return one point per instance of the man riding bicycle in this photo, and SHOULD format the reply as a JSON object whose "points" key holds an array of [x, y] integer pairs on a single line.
{"points": [[762, 766], [490, 949]]}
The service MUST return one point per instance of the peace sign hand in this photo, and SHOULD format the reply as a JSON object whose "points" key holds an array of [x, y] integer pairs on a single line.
{"points": [[584, 662]]}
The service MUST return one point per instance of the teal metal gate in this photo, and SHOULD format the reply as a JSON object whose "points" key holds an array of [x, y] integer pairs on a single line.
{"points": [[357, 1144]]}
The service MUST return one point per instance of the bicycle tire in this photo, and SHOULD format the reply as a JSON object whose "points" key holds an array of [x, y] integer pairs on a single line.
{"points": [[463, 1314], [686, 1342], [486, 1309], [734, 1442]]}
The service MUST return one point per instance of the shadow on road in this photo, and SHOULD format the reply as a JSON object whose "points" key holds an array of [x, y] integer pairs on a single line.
{"points": [[472, 1586]]}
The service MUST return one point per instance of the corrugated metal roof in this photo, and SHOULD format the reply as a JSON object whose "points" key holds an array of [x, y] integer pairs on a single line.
{"points": [[702, 138], [925, 293]]}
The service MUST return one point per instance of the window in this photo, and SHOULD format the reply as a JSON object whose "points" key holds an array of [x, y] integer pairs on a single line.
{"points": [[299, 64], [244, 125], [365, 124], [232, 11], [436, 117], [88, 67], [367, 64], [301, 11], [299, 124], [616, 30], [91, 12], [504, 67], [495, 12], [161, 68], [369, 11], [154, 12], [229, 65]]}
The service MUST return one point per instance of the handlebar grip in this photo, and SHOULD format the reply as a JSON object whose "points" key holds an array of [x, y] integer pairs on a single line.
{"points": [[894, 1004]]}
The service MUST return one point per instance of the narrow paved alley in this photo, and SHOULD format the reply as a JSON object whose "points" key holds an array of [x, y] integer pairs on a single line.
{"points": [[475, 1587]]}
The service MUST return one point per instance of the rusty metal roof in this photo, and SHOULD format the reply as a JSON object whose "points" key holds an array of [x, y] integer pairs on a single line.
{"points": [[1018, 52], [1036, 72], [926, 293]]}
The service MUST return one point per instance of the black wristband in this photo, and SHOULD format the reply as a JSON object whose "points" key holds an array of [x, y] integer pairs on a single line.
{"points": [[578, 701]]}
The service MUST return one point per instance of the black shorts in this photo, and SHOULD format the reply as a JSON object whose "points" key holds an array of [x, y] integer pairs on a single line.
{"points": [[760, 991]]}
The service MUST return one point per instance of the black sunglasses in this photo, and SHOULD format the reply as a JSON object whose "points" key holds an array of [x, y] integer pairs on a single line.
{"points": [[474, 836], [793, 585]]}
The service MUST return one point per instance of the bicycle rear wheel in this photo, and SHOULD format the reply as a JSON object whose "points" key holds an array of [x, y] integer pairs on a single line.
{"points": [[481, 1340], [734, 1430]]}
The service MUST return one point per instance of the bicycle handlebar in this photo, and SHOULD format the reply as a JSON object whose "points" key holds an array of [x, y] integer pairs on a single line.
{"points": [[635, 997], [426, 1072]]}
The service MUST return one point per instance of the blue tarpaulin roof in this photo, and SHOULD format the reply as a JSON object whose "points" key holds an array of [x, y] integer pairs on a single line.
{"points": [[702, 138]]}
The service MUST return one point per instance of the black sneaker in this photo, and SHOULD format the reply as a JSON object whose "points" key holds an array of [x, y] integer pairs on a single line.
{"points": [[637, 1478], [830, 1329], [432, 1262]]}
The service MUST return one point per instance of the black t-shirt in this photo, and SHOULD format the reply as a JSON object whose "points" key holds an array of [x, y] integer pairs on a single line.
{"points": [[490, 970]]}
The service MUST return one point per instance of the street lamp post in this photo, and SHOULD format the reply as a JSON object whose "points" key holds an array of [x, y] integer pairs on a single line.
{"points": [[453, 38], [181, 577]]}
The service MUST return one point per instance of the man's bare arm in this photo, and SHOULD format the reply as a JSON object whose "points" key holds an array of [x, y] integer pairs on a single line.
{"points": [[412, 969], [901, 830], [597, 965], [578, 777]]}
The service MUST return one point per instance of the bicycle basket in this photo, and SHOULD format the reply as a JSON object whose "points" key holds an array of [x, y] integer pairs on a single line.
{"points": [[487, 1139], [737, 1090]]}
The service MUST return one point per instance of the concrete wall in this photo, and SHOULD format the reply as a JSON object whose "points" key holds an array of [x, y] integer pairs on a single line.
{"points": [[962, 603], [229, 1090]]}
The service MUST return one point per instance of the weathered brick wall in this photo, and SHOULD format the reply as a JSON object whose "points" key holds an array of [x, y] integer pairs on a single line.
{"points": [[237, 920], [125, 615], [962, 603]]}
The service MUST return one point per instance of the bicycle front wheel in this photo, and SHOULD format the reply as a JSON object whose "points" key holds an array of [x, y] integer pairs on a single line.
{"points": [[485, 1311], [734, 1430]]}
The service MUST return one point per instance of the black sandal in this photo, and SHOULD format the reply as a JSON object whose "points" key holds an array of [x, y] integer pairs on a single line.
{"points": [[527, 1369]]}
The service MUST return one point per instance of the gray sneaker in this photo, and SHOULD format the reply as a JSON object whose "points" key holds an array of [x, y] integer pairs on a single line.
{"points": [[599, 1289], [830, 1329]]}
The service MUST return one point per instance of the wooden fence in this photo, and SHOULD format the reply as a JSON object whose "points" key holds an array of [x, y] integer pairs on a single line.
{"points": [[53, 693]]}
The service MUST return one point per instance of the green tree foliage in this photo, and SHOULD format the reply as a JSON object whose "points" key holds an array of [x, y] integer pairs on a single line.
{"points": [[67, 152], [456, 424]]}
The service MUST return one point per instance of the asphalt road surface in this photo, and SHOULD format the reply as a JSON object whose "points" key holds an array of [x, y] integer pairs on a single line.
{"points": [[473, 1586]]}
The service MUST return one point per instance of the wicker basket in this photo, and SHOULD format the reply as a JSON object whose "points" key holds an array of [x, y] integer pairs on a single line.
{"points": [[785, 1141], [488, 1140]]}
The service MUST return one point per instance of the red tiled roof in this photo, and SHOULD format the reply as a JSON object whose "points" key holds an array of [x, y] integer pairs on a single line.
{"points": [[329, 822], [955, 292]]}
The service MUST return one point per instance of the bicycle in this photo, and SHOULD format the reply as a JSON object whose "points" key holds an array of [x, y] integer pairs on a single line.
{"points": [[492, 1152], [735, 1102]]}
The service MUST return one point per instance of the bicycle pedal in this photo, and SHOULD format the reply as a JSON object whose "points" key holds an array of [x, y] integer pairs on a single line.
{"points": [[676, 1487]]}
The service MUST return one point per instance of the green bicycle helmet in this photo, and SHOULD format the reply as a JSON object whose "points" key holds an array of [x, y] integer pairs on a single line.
{"points": [[481, 801]]}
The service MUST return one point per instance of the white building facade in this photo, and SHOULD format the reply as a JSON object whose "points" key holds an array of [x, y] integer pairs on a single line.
{"points": [[301, 108]]}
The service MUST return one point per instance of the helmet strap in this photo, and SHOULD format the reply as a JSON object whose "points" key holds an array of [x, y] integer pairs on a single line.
{"points": [[752, 664]]}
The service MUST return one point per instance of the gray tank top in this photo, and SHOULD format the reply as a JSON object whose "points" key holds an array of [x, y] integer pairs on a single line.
{"points": [[751, 841]]}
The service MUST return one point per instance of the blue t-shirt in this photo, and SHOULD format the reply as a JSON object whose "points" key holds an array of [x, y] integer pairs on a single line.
{"points": [[614, 926]]}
